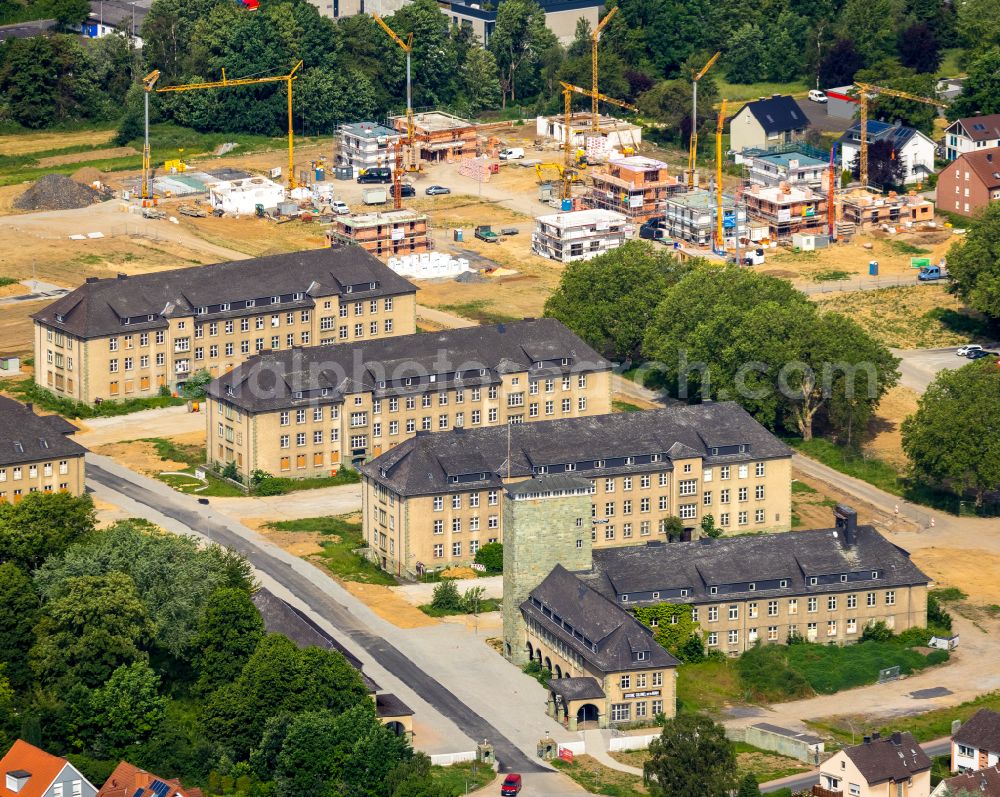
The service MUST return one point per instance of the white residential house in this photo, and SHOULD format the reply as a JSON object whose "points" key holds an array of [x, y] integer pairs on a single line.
{"points": [[911, 146], [28, 770], [579, 234], [895, 766], [970, 134], [976, 745]]}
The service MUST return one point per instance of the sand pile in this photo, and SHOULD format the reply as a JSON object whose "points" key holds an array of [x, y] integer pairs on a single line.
{"points": [[56, 192]]}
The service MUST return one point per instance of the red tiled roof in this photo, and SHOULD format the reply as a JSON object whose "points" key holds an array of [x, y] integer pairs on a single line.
{"points": [[128, 779], [43, 768], [985, 163]]}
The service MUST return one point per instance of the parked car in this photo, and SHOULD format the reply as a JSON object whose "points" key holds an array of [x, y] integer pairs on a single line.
{"points": [[379, 174], [964, 351], [652, 232], [977, 354], [434, 190], [932, 273], [407, 190], [815, 95], [511, 785], [512, 153], [339, 207]]}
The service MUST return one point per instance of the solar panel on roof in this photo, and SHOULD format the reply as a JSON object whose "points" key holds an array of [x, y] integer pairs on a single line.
{"points": [[979, 126], [159, 788], [138, 792]]}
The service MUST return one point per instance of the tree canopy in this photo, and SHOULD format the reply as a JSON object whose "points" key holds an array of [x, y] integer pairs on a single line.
{"points": [[691, 758], [974, 263]]}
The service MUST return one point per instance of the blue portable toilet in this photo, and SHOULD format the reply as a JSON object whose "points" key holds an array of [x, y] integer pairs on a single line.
{"points": [[458, 234], [567, 205], [873, 268]]}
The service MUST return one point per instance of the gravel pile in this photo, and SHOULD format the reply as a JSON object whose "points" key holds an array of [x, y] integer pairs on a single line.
{"points": [[56, 192]]}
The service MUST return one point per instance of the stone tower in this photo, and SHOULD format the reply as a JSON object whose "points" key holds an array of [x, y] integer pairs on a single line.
{"points": [[546, 521]]}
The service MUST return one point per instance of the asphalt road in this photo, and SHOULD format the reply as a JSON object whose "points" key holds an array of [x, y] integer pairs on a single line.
{"points": [[919, 366], [806, 781], [511, 758]]}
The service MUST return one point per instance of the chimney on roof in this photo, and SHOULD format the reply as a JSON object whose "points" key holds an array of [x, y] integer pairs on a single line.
{"points": [[122, 275], [92, 279], [846, 521], [989, 157], [897, 738]]}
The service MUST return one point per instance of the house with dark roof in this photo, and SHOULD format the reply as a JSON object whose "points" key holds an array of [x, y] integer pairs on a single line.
{"points": [[305, 412], [910, 146], [982, 783], [36, 453], [132, 336], [767, 122], [28, 771], [434, 499], [976, 744], [970, 182], [972, 134], [879, 767], [128, 780]]}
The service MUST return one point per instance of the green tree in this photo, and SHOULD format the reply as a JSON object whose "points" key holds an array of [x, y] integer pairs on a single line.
{"points": [[872, 26], [194, 386], [981, 90], [43, 525], [329, 97], [490, 556], [433, 59], [708, 527], [876, 632], [671, 624], [748, 786], [173, 575], [953, 439], [892, 109], [783, 55], [669, 102], [279, 679], [228, 632], [841, 63], [92, 626], [69, 13], [18, 615], [446, 597], [745, 59], [673, 527], [519, 38], [691, 758], [131, 127], [974, 263], [44, 81], [979, 23], [919, 48], [128, 708], [609, 300], [480, 81]]}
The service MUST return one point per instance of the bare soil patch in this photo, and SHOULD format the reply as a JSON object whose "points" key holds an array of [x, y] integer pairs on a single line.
{"points": [[15, 289], [886, 442], [90, 155], [388, 605], [16, 326], [140, 456], [23, 144], [815, 510], [971, 569]]}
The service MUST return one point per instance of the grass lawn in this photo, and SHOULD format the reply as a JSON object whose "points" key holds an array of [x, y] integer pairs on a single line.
{"points": [[599, 779], [338, 552], [624, 406], [479, 310], [708, 686], [764, 764], [830, 275], [461, 778], [949, 63], [924, 727], [751, 91], [874, 471], [485, 605], [27, 390]]}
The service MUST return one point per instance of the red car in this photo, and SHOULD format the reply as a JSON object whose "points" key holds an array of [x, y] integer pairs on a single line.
{"points": [[511, 786]]}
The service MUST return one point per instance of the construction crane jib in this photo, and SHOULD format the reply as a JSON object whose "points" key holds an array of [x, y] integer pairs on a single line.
{"points": [[247, 81], [866, 89], [406, 47], [594, 39], [693, 151]]}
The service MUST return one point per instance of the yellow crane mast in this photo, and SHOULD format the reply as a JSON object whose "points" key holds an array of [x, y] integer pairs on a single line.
{"points": [[693, 150], [720, 240], [568, 90], [594, 38], [247, 81], [406, 47], [865, 90], [147, 86]]}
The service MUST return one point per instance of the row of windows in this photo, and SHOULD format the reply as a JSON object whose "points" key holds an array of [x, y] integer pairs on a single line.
{"points": [[655, 679], [622, 712], [15, 495], [812, 605], [128, 341], [456, 549], [48, 468], [832, 628], [128, 363], [492, 522]]}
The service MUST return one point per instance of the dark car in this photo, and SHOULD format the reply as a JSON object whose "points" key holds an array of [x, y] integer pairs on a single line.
{"points": [[978, 354], [652, 233], [511, 785], [379, 174], [407, 190], [434, 190]]}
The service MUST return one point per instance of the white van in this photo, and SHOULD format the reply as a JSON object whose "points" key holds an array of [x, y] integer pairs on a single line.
{"points": [[815, 95], [513, 153]]}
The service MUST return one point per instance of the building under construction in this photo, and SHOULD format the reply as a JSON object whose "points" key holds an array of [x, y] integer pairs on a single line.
{"points": [[384, 234], [439, 136], [786, 210], [796, 165], [579, 234], [860, 207], [611, 133], [691, 217], [366, 145], [635, 186]]}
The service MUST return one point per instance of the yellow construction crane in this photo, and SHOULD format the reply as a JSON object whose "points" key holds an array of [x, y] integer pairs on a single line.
{"points": [[568, 90], [865, 90], [720, 240], [147, 85], [693, 151], [247, 81], [406, 47], [594, 38]]}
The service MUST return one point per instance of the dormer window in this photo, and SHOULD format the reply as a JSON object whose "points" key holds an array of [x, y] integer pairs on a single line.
{"points": [[482, 372], [715, 452], [298, 394], [275, 299], [60, 318], [432, 378], [454, 479], [641, 655], [684, 593], [874, 573], [382, 472], [298, 296], [843, 577], [624, 598], [43, 442], [598, 463], [408, 381], [229, 390], [17, 779], [752, 587], [629, 460], [713, 590], [813, 581], [783, 583], [542, 469], [19, 446], [372, 285], [654, 458], [349, 289], [381, 384], [324, 392], [125, 321], [744, 448], [570, 466], [150, 317], [565, 360], [201, 310], [251, 302], [223, 307]]}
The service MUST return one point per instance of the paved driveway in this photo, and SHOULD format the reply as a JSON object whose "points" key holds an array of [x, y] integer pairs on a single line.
{"points": [[920, 366], [818, 117]]}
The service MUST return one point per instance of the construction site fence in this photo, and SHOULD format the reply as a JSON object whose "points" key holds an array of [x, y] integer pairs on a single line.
{"points": [[860, 284]]}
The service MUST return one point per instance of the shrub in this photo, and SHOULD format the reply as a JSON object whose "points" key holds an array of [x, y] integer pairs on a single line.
{"points": [[538, 672], [938, 657], [876, 632], [708, 527], [766, 674], [231, 472], [272, 486], [937, 617], [490, 556], [473, 598], [446, 597]]}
